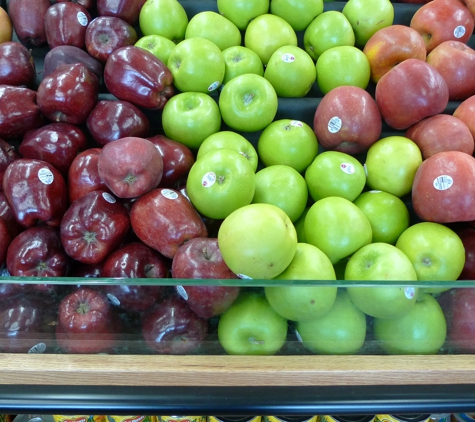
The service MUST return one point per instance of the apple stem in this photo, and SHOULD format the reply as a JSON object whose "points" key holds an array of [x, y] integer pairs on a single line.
{"points": [[206, 254], [254, 341]]}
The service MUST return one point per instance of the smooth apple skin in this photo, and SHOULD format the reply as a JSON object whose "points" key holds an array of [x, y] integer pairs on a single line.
{"points": [[6, 213], [5, 240], [128, 10], [136, 75], [466, 112], [28, 20], [17, 66], [467, 236], [35, 191], [5, 157]]}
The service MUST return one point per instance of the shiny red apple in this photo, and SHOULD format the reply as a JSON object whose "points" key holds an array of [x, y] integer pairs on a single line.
{"points": [[17, 66]]}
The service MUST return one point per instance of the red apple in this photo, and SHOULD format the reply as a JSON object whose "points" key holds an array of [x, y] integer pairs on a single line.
{"points": [[14, 227], [443, 188], [5, 157], [136, 75], [114, 119], [348, 120], [130, 166], [35, 191], [129, 10], [93, 227], [81, 270], [390, 46], [164, 219], [17, 66], [465, 111], [467, 235], [409, 92], [171, 327], [88, 4], [443, 20], [441, 132], [5, 239], [28, 19]]}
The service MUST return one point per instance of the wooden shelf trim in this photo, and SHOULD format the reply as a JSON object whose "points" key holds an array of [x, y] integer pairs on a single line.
{"points": [[135, 370]]}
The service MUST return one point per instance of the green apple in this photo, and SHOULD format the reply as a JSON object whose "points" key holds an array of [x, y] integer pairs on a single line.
{"points": [[342, 65], [334, 173], [301, 303], [197, 65], [367, 17], [337, 227], [257, 241], [289, 142], [158, 45], [239, 60], [387, 213], [299, 225], [230, 140], [220, 182], [391, 164], [266, 33], [251, 327], [436, 252], [298, 13], [167, 18], [291, 71], [190, 117], [282, 186], [241, 12], [248, 103], [421, 331], [341, 331], [381, 262], [214, 27], [330, 29]]}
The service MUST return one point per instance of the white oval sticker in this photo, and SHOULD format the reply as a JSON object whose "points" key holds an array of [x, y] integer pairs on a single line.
{"points": [[214, 86], [38, 348], [169, 194], [459, 31], [443, 182], [288, 58], [45, 175], [82, 19], [244, 277], [113, 299], [334, 125], [296, 123], [409, 292], [109, 198], [208, 179], [347, 168], [182, 292]]}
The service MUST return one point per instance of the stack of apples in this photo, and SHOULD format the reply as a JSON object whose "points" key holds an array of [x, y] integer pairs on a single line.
{"points": [[259, 172]]}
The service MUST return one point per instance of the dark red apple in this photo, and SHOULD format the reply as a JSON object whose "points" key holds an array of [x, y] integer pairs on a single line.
{"points": [[130, 166], [129, 10], [348, 120], [439, 133], [80, 270], [14, 227], [88, 4], [164, 219], [106, 34], [5, 157], [443, 188], [56, 143], [17, 66], [93, 227], [465, 111], [5, 239], [66, 24], [19, 112], [467, 235], [136, 75], [86, 323], [28, 19], [177, 161], [35, 191], [68, 94], [83, 175], [171, 327], [114, 119], [9, 289], [409, 92]]}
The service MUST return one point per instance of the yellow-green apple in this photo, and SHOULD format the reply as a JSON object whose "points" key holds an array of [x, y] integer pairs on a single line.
{"points": [[196, 64], [340, 66], [231, 140], [302, 303], [367, 17], [299, 13], [388, 215], [465, 111], [381, 263], [421, 331], [241, 12], [341, 331], [389, 46], [329, 29], [6, 31], [348, 120], [219, 182], [425, 93], [455, 61], [391, 164], [190, 117], [158, 45], [248, 103], [251, 326], [443, 20], [257, 241], [167, 18], [300, 226], [266, 33], [239, 60], [337, 227], [289, 142], [334, 173], [442, 186], [214, 27], [442, 132], [273, 185]]}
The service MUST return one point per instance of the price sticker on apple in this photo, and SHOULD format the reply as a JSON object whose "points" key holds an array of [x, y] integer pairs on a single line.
{"points": [[45, 175], [409, 292], [443, 182], [82, 18], [182, 292], [459, 31], [214, 86], [208, 179], [38, 348], [347, 168], [109, 198], [296, 123], [334, 124], [169, 194], [288, 58]]}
